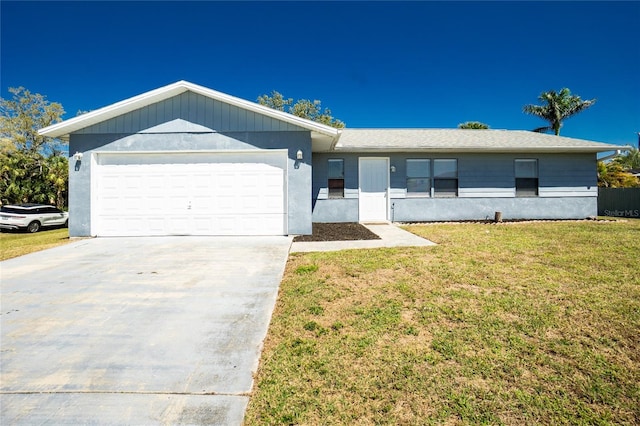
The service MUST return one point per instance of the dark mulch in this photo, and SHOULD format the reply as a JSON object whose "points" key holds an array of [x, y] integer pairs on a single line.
{"points": [[338, 232]]}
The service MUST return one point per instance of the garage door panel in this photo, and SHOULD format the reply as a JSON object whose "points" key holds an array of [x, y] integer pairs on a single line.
{"points": [[225, 204], [250, 203], [178, 183], [225, 224], [202, 181], [203, 204], [250, 224], [213, 198], [156, 203], [134, 182], [177, 202], [155, 181], [271, 204], [178, 225], [156, 225], [124, 226], [133, 205], [202, 224], [109, 185], [225, 182], [261, 224], [110, 204], [110, 226], [131, 224]]}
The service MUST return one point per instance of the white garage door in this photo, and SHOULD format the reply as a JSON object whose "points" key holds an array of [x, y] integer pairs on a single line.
{"points": [[190, 194]]}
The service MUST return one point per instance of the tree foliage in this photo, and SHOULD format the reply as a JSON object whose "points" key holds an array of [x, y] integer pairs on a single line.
{"points": [[473, 125], [630, 160], [276, 101], [33, 168], [613, 175], [22, 116], [557, 107], [304, 108]]}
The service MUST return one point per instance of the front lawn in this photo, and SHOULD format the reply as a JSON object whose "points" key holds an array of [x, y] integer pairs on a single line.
{"points": [[527, 323], [14, 244]]}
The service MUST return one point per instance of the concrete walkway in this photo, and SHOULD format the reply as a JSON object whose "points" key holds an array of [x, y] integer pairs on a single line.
{"points": [[390, 236]]}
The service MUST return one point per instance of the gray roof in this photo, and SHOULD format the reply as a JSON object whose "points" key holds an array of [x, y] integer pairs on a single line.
{"points": [[462, 140]]}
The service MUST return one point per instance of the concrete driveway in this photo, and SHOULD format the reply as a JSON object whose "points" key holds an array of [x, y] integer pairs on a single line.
{"points": [[158, 330]]}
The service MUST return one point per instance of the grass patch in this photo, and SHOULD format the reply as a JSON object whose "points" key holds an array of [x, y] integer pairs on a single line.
{"points": [[14, 244], [531, 323]]}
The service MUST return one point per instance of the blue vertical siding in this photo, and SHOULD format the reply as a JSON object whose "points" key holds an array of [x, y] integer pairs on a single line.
{"points": [[194, 108]]}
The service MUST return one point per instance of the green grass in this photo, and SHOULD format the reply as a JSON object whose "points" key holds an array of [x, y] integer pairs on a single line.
{"points": [[535, 323], [14, 244]]}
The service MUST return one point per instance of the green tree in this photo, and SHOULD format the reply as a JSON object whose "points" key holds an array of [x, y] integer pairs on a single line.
{"points": [[57, 175], [630, 160], [304, 108], [557, 107], [22, 116], [276, 101], [612, 175], [33, 168], [473, 125]]}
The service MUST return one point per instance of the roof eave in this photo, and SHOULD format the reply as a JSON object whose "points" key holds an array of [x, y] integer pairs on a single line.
{"points": [[63, 129], [506, 150]]}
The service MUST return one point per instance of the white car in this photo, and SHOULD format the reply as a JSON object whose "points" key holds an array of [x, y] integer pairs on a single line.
{"points": [[31, 217]]}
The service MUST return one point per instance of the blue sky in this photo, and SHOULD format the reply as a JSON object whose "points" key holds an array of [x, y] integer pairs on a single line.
{"points": [[374, 64]]}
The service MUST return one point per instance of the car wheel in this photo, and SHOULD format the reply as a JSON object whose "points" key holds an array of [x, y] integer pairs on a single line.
{"points": [[66, 224], [33, 226]]}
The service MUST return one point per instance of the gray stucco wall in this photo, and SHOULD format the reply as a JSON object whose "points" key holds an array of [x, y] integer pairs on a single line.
{"points": [[567, 189], [298, 179], [445, 209]]}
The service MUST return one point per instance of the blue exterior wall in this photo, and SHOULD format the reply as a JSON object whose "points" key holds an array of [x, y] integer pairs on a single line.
{"points": [[215, 126], [486, 184]]}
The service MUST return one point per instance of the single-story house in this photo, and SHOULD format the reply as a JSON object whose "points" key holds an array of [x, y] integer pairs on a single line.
{"points": [[187, 160]]}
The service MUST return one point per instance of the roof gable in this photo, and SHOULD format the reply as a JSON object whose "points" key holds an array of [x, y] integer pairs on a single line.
{"points": [[320, 133], [189, 112]]}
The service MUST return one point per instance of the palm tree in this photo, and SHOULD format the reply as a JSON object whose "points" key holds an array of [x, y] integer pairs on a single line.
{"points": [[557, 107], [631, 160]]}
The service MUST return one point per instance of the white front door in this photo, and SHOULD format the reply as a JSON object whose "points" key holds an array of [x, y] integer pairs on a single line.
{"points": [[374, 189]]}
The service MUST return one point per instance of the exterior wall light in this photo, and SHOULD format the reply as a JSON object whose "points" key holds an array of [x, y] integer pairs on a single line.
{"points": [[77, 156], [393, 169], [299, 155]]}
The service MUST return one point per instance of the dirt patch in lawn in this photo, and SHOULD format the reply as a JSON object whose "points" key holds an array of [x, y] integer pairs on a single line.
{"points": [[338, 232]]}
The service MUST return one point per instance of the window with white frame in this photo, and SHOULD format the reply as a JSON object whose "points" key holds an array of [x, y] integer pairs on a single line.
{"points": [[336, 178], [419, 177], [526, 171], [445, 178]]}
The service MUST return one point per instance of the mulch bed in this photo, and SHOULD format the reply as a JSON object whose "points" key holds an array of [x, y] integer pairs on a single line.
{"points": [[338, 232]]}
